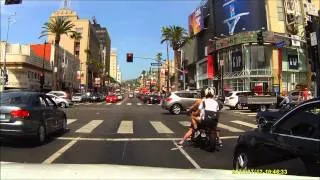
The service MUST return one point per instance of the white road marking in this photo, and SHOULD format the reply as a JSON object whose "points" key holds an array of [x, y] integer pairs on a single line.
{"points": [[159, 104], [139, 104], [69, 121], [129, 104], [185, 123], [88, 128], [193, 162], [248, 113], [160, 127], [252, 115], [245, 124], [119, 103], [57, 154], [149, 104], [108, 104], [126, 127], [232, 129], [99, 103], [132, 139], [87, 104]]}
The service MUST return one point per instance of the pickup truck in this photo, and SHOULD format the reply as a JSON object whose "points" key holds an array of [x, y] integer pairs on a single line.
{"points": [[255, 103]]}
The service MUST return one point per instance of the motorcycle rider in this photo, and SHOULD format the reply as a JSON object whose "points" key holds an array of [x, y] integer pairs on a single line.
{"points": [[210, 107], [195, 114]]}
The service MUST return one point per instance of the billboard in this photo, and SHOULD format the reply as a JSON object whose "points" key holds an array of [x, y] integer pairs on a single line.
{"points": [[233, 16], [196, 22]]}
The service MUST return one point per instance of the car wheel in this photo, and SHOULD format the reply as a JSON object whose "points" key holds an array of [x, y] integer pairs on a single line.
{"points": [[242, 159], [63, 105], [238, 106], [263, 108], [176, 109], [41, 134]]}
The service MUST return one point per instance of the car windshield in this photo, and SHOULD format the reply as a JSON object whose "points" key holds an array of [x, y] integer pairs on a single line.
{"points": [[127, 78]]}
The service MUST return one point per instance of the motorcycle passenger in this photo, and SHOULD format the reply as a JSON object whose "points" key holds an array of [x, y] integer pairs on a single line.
{"points": [[209, 112], [286, 101], [195, 114]]}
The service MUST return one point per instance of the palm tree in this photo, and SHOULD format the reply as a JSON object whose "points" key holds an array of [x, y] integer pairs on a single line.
{"points": [[57, 26], [176, 37], [76, 36]]}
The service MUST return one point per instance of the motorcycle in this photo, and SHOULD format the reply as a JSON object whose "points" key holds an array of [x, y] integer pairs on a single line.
{"points": [[205, 136]]}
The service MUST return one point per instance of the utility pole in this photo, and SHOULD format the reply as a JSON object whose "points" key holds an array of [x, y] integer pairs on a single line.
{"points": [[42, 77], [4, 80], [168, 61]]}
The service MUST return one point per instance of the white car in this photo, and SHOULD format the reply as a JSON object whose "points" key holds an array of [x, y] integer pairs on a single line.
{"points": [[62, 102], [232, 99], [77, 97], [60, 94], [130, 95]]}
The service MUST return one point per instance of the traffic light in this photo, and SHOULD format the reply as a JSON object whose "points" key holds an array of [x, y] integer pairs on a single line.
{"points": [[5, 76], [9, 2], [130, 57], [260, 38]]}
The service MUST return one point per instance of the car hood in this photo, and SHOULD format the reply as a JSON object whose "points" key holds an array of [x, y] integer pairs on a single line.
{"points": [[100, 171]]}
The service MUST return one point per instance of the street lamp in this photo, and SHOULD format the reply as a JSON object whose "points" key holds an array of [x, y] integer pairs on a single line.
{"points": [[44, 57]]}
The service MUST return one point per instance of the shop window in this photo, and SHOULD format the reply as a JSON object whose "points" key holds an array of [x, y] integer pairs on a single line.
{"points": [[258, 58]]}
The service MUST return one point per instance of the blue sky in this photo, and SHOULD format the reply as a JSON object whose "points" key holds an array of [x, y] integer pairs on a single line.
{"points": [[134, 26]]}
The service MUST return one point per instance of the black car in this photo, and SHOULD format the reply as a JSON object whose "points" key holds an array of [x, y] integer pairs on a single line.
{"points": [[294, 135], [95, 97], [30, 114], [273, 114], [153, 99]]}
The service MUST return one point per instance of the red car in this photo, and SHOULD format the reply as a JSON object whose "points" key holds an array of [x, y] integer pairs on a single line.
{"points": [[111, 99]]}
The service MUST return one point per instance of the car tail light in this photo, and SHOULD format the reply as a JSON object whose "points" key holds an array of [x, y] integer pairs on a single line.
{"points": [[168, 99], [20, 114]]}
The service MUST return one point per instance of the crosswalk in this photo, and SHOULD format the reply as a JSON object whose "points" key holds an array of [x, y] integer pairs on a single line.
{"points": [[160, 127], [114, 104], [246, 113]]}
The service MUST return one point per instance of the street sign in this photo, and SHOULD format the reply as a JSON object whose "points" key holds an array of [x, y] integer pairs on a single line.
{"points": [[295, 41], [221, 62], [280, 44], [156, 64], [313, 38]]}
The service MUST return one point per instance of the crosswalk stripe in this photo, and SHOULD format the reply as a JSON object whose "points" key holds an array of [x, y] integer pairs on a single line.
{"points": [[126, 127], [160, 127], [99, 103], [149, 104], [119, 103], [108, 104], [88, 128], [69, 121], [129, 104], [245, 124], [185, 123], [248, 113], [139, 104], [232, 129]]}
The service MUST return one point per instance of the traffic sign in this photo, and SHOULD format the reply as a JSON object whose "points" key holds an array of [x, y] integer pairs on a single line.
{"points": [[156, 64], [280, 44]]}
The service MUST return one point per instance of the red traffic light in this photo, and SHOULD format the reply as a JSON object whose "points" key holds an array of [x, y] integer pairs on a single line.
{"points": [[129, 57]]}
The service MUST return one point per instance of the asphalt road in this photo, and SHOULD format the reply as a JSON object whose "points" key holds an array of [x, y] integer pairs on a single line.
{"points": [[133, 133]]}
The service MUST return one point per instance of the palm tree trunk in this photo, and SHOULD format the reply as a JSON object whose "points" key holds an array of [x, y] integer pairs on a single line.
{"points": [[56, 59], [177, 66]]}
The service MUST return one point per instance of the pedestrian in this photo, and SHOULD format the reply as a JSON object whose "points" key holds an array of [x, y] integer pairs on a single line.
{"points": [[305, 94]]}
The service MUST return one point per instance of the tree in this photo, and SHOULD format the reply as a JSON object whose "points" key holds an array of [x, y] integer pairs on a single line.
{"points": [[176, 37], [57, 26], [76, 36]]}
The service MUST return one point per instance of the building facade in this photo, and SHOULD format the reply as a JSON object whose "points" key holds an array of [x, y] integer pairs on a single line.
{"points": [[92, 48], [113, 64], [225, 54], [24, 67]]}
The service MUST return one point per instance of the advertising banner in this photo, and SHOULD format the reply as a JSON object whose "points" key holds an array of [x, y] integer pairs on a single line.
{"points": [[233, 16], [210, 69], [196, 22], [237, 64], [293, 62]]}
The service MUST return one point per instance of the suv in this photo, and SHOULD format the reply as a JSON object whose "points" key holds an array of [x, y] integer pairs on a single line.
{"points": [[294, 135], [179, 101], [232, 99]]}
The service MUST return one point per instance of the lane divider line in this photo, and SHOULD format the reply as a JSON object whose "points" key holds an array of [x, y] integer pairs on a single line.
{"points": [[57, 154], [192, 161]]}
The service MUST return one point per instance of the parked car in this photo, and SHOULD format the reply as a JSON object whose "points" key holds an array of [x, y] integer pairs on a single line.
{"points": [[153, 99], [232, 99], [62, 94], [294, 135], [111, 99], [30, 114], [61, 102], [95, 97], [179, 101], [272, 114], [77, 97]]}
